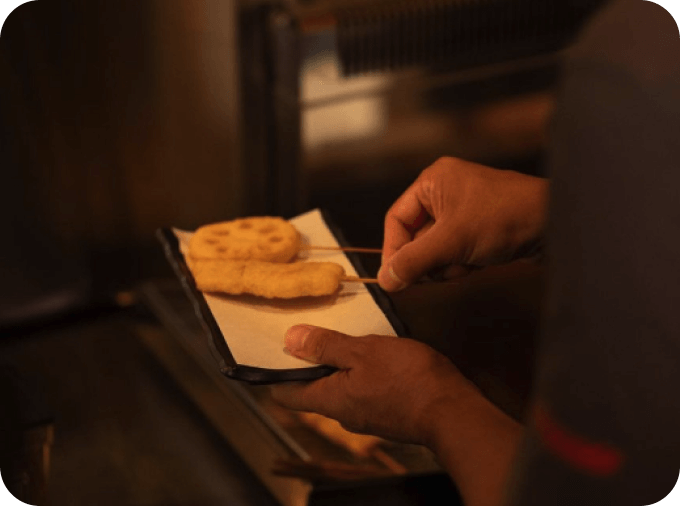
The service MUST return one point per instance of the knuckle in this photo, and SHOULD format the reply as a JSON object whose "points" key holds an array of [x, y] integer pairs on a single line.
{"points": [[357, 352], [443, 162], [316, 343], [323, 345], [389, 216], [360, 348]]}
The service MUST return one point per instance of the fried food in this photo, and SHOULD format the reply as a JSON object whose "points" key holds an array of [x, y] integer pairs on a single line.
{"points": [[265, 238], [266, 279]]}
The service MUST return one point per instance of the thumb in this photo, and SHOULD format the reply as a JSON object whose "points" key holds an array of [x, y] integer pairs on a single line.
{"points": [[321, 346], [416, 258]]}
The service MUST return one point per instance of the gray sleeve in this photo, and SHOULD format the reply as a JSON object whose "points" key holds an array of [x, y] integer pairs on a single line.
{"points": [[605, 427]]}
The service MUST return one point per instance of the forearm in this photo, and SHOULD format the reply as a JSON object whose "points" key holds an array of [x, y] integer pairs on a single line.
{"points": [[476, 443]]}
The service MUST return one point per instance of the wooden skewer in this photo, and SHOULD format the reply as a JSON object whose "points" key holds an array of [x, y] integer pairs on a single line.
{"points": [[359, 280], [336, 248], [419, 282]]}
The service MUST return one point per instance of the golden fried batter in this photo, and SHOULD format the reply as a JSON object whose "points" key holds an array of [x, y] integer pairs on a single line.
{"points": [[267, 279], [266, 238]]}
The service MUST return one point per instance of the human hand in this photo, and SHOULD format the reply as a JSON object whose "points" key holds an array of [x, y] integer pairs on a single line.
{"points": [[458, 216], [386, 386]]}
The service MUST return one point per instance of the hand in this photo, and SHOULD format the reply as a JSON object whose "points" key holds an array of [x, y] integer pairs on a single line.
{"points": [[385, 386], [458, 216]]}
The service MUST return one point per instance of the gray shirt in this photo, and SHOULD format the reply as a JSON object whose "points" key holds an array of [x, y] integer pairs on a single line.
{"points": [[605, 428]]}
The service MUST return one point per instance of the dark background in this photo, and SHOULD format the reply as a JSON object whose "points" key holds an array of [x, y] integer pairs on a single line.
{"points": [[117, 118]]}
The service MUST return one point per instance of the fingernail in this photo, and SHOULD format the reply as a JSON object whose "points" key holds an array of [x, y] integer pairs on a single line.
{"points": [[389, 280], [295, 338], [398, 283]]}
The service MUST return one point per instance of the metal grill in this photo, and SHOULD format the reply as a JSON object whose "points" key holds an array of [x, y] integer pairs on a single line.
{"points": [[454, 33]]}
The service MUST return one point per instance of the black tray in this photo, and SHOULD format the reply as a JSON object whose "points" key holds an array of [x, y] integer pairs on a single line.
{"points": [[218, 344]]}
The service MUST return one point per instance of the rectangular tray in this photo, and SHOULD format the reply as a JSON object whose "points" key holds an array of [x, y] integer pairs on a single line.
{"points": [[217, 343]]}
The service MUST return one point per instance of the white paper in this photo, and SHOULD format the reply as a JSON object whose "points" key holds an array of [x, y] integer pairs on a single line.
{"points": [[253, 327]]}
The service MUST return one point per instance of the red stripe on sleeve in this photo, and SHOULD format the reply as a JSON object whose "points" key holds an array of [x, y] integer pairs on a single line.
{"points": [[594, 458]]}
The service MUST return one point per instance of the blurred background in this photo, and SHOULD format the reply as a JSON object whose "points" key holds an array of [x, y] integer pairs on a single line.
{"points": [[117, 118]]}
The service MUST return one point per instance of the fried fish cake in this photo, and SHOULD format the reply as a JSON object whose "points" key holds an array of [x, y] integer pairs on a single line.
{"points": [[266, 238], [266, 279]]}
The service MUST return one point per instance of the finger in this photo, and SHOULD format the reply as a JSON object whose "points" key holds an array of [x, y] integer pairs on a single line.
{"points": [[450, 272], [416, 258], [402, 221], [321, 346], [321, 396], [426, 226]]}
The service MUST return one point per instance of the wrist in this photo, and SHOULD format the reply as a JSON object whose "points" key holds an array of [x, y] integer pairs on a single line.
{"points": [[447, 411], [476, 443], [527, 230]]}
